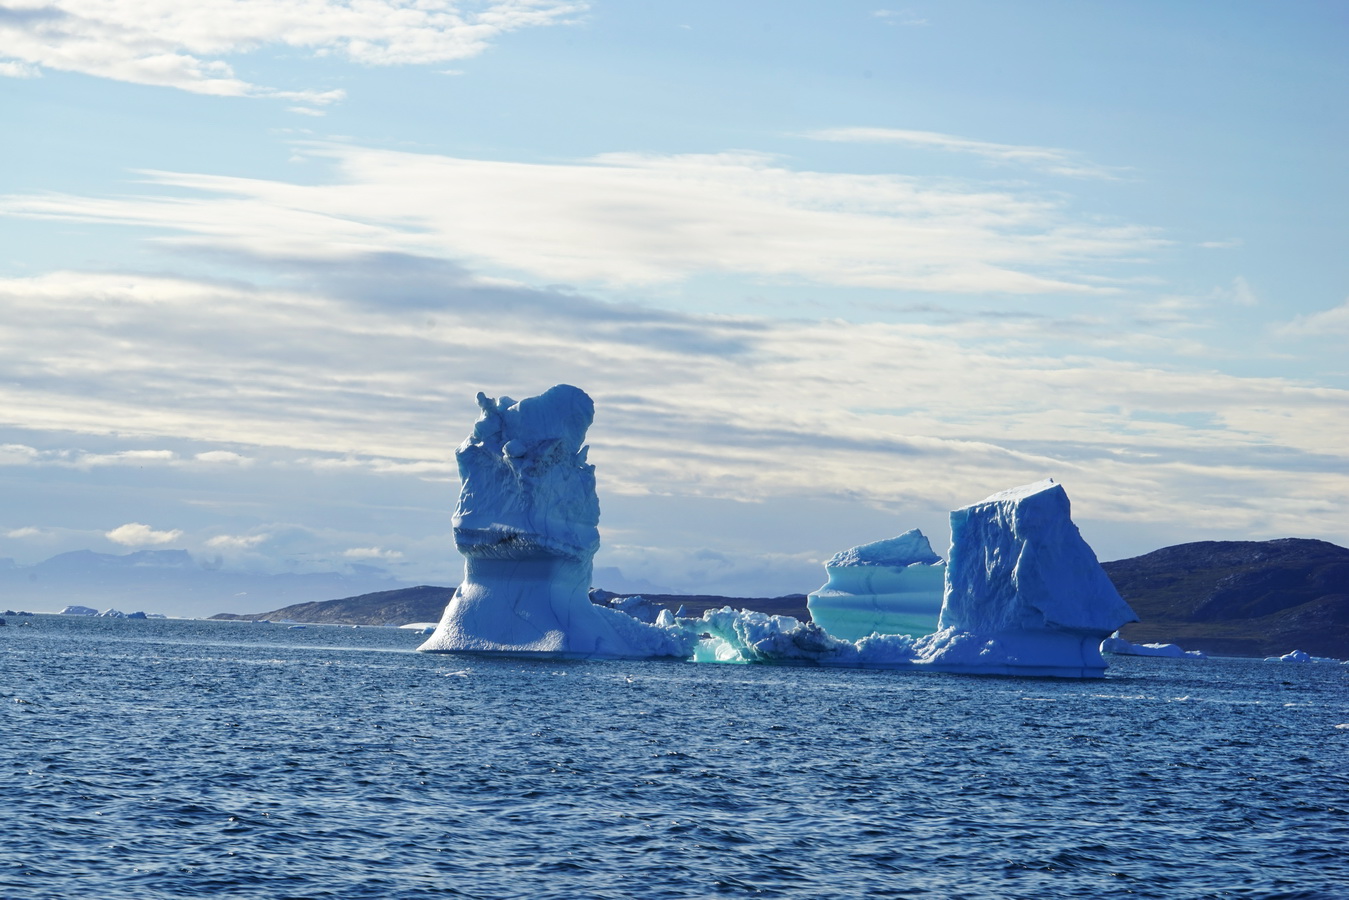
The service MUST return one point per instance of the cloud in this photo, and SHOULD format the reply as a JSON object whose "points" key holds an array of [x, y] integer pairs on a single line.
{"points": [[26, 532], [878, 415], [134, 534], [235, 542], [371, 553], [1242, 292], [11, 69], [1327, 323], [223, 457], [352, 410], [1046, 159], [626, 220], [182, 45], [904, 17]]}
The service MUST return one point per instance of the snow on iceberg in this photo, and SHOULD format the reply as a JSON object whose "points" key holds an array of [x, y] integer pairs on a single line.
{"points": [[78, 611], [527, 524], [892, 586]]}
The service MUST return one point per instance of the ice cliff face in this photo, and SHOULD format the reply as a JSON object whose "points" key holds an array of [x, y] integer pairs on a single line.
{"points": [[1024, 591], [527, 524], [885, 587]]}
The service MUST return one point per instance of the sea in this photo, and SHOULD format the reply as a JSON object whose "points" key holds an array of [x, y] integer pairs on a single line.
{"points": [[188, 759]]}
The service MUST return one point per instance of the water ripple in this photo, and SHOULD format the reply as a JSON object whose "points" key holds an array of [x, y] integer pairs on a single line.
{"points": [[173, 759]]}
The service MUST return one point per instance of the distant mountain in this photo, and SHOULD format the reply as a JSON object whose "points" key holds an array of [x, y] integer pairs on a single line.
{"points": [[169, 581], [426, 603], [402, 606], [1240, 598]]}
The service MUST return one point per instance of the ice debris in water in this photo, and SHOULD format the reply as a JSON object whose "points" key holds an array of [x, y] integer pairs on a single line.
{"points": [[527, 524], [885, 587]]}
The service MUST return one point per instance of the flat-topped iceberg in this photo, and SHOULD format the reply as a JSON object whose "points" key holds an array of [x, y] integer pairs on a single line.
{"points": [[1025, 594], [892, 586], [527, 524]]}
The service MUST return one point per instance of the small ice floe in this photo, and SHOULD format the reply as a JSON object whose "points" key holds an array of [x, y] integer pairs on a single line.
{"points": [[462, 673]]}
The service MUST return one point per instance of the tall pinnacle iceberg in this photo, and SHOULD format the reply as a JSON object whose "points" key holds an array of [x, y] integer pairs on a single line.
{"points": [[527, 524]]}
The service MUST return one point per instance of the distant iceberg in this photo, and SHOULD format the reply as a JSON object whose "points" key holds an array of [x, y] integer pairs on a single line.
{"points": [[1299, 656], [1118, 645], [892, 586], [78, 611], [527, 524]]}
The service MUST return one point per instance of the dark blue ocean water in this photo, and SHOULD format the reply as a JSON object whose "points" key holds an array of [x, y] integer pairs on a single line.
{"points": [[158, 759]]}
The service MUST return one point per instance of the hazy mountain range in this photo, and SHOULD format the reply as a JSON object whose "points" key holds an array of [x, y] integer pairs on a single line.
{"points": [[175, 583]]}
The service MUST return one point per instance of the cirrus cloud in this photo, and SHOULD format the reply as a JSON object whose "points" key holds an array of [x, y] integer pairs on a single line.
{"points": [[630, 219], [1047, 159]]}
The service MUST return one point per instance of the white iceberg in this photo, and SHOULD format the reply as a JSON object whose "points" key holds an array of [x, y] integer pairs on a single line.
{"points": [[78, 611], [892, 586], [527, 524], [1118, 645], [1295, 656]]}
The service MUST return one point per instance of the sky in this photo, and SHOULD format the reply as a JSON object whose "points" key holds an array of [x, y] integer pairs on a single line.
{"points": [[828, 270]]}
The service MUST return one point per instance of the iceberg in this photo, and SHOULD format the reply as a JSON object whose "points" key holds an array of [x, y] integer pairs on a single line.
{"points": [[77, 611], [527, 525], [1119, 646], [892, 586], [1299, 656], [1025, 594]]}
